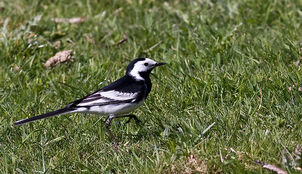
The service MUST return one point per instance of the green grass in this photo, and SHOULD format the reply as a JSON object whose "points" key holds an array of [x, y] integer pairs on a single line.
{"points": [[222, 57]]}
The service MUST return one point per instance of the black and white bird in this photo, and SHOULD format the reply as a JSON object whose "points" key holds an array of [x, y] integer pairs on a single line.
{"points": [[117, 99]]}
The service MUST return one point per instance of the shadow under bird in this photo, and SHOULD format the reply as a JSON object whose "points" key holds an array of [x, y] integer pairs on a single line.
{"points": [[117, 99]]}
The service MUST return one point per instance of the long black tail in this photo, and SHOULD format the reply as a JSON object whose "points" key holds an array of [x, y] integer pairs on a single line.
{"points": [[49, 114]]}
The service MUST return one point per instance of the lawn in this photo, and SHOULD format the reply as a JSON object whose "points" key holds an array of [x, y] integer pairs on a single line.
{"points": [[230, 94]]}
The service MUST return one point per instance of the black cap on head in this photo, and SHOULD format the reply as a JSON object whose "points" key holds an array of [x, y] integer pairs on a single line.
{"points": [[131, 64]]}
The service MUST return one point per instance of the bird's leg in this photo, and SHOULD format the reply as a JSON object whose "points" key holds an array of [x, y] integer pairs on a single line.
{"points": [[107, 124], [132, 116]]}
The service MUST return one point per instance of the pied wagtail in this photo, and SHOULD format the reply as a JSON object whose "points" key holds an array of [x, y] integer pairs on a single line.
{"points": [[115, 100]]}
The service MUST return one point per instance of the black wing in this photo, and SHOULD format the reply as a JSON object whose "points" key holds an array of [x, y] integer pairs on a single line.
{"points": [[124, 90]]}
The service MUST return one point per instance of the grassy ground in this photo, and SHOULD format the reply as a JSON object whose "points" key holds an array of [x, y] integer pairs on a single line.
{"points": [[229, 95]]}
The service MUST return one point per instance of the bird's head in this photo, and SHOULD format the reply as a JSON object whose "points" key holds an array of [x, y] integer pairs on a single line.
{"points": [[141, 68]]}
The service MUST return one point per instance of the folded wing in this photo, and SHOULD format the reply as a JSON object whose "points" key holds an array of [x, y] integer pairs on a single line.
{"points": [[102, 98], [124, 90]]}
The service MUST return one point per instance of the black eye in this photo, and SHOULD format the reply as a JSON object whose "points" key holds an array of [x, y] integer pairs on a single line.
{"points": [[146, 64]]}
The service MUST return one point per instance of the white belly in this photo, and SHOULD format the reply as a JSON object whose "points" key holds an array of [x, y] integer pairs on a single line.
{"points": [[116, 109]]}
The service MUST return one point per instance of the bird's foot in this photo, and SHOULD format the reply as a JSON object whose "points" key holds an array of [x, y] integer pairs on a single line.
{"points": [[115, 142], [137, 121], [107, 125]]}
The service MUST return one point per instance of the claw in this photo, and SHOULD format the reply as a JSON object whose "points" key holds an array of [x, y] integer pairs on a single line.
{"points": [[133, 117], [107, 124], [111, 117]]}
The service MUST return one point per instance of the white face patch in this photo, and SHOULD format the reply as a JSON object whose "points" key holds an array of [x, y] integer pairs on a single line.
{"points": [[142, 66]]}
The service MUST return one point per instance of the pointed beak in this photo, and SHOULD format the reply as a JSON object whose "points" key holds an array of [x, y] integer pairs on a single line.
{"points": [[160, 63]]}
